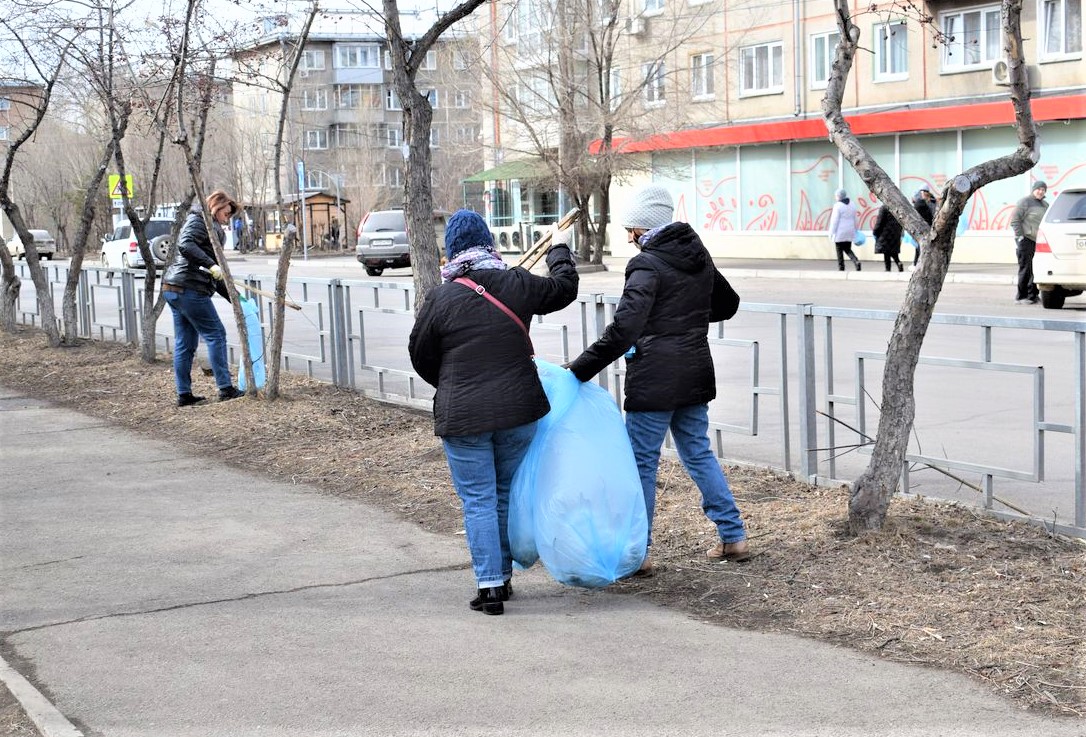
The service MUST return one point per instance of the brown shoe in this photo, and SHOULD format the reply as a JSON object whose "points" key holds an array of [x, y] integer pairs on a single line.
{"points": [[735, 552], [647, 570]]}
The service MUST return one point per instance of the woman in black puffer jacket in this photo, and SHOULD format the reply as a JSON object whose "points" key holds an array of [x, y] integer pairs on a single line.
{"points": [[672, 292], [488, 392]]}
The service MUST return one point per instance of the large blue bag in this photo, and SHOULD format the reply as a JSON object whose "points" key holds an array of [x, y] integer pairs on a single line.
{"points": [[251, 310], [576, 502]]}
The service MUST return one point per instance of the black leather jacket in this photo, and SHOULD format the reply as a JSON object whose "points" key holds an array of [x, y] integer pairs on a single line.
{"points": [[194, 251]]}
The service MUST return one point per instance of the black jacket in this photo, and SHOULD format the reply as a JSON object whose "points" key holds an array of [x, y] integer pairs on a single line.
{"points": [[887, 232], [193, 251], [672, 292], [477, 357]]}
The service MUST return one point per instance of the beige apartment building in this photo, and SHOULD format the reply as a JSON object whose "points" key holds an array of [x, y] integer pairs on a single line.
{"points": [[343, 141], [722, 106]]}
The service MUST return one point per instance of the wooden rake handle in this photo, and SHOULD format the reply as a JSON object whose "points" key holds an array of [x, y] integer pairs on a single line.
{"points": [[532, 255]]}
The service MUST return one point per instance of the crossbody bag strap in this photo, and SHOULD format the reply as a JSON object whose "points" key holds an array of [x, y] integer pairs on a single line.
{"points": [[481, 291]]}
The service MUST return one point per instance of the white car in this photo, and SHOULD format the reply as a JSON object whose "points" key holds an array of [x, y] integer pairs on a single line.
{"points": [[120, 248], [43, 244], [1059, 265]]}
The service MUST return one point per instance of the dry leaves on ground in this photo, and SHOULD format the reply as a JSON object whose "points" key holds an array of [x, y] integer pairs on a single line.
{"points": [[942, 585]]}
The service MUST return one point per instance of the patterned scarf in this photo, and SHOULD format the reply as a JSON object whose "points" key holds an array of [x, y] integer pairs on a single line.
{"points": [[470, 259]]}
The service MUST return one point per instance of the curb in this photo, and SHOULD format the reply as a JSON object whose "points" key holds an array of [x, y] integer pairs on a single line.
{"points": [[49, 721]]}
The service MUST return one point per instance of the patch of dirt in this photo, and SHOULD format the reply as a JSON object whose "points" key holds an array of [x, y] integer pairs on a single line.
{"points": [[941, 585]]}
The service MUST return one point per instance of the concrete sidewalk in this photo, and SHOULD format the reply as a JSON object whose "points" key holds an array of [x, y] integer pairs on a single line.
{"points": [[149, 592]]}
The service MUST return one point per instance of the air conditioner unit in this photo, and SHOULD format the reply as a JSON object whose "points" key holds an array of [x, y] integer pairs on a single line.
{"points": [[635, 26], [303, 73], [1001, 73]]}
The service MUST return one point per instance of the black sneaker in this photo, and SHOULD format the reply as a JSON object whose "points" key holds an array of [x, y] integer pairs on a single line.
{"points": [[230, 392], [188, 399], [489, 600]]}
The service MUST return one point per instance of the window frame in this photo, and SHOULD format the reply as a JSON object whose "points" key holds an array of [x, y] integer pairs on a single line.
{"points": [[321, 94], [653, 74], [770, 88], [307, 139], [393, 137], [1045, 53], [705, 66], [305, 66], [828, 55], [364, 51], [882, 51], [948, 64]]}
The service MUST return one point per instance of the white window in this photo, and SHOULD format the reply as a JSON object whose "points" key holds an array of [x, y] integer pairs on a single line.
{"points": [[653, 74], [358, 56], [346, 135], [891, 51], [316, 139], [435, 138], [315, 99], [823, 50], [393, 176], [348, 96], [318, 180], [5, 132], [5, 103], [431, 97], [461, 99], [429, 64], [701, 75], [465, 134], [972, 38], [461, 60], [654, 7], [761, 69], [392, 102], [312, 60], [1062, 29], [511, 25], [615, 88], [393, 137]]}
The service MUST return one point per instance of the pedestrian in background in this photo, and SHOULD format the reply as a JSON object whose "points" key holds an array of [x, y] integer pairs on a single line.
{"points": [[924, 203], [1024, 222], [671, 294], [843, 229], [887, 232], [187, 285], [470, 342]]}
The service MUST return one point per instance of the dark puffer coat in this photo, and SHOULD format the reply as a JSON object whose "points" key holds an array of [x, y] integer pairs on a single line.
{"points": [[194, 250], [672, 292], [477, 357], [887, 232]]}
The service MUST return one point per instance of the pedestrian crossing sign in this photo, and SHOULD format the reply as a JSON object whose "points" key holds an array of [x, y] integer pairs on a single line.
{"points": [[118, 188]]}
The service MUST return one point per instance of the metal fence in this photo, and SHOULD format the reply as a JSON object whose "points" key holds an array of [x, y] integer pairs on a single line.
{"points": [[1001, 402]]}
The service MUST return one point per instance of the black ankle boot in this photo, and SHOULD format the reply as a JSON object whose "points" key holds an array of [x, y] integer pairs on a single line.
{"points": [[489, 600], [230, 392], [188, 399], [507, 589]]}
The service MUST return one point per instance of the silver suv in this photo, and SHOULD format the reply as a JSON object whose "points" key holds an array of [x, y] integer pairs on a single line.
{"points": [[120, 249], [1059, 266], [383, 240]]}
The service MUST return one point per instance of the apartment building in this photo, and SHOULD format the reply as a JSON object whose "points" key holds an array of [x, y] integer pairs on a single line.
{"points": [[729, 116], [344, 127]]}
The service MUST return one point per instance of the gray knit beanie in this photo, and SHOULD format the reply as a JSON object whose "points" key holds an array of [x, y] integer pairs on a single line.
{"points": [[841, 195], [1039, 184], [651, 207]]}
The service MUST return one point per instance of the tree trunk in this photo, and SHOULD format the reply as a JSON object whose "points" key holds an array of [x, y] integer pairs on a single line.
{"points": [[44, 294], [9, 293]]}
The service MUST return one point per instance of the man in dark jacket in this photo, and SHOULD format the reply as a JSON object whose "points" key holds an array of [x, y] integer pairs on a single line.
{"points": [[672, 292], [479, 357], [887, 231], [187, 286], [1024, 222], [924, 203]]}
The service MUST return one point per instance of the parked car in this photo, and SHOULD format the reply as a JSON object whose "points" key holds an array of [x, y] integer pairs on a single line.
{"points": [[1059, 266], [383, 240], [43, 244], [121, 249]]}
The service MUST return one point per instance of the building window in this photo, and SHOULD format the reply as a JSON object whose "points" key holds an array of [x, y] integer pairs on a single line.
{"points": [[5, 132], [431, 97], [461, 99], [312, 61], [429, 64], [701, 75], [435, 138], [5, 103], [393, 137], [318, 180], [614, 82], [315, 99], [465, 134], [358, 56], [654, 7], [653, 74], [346, 135], [348, 96], [761, 68], [393, 176], [315, 139], [823, 49], [461, 60], [392, 102], [891, 51], [973, 38], [1062, 27]]}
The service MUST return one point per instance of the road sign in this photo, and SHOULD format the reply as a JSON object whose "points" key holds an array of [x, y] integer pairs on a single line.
{"points": [[117, 188]]}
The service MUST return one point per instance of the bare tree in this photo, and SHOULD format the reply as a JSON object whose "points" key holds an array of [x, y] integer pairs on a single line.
{"points": [[47, 60], [871, 492], [408, 56]]}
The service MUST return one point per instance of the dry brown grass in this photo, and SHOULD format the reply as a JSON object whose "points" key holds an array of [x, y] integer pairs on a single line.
{"points": [[942, 585]]}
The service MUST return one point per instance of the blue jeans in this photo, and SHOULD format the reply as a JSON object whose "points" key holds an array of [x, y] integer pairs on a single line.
{"points": [[194, 316], [482, 468], [690, 430]]}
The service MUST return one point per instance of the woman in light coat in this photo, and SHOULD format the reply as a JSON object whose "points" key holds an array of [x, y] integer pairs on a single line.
{"points": [[843, 229]]}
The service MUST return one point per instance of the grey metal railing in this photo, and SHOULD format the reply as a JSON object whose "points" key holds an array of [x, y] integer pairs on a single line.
{"points": [[1004, 399]]}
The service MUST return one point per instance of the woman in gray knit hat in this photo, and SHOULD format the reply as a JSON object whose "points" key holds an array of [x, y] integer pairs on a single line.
{"points": [[672, 292]]}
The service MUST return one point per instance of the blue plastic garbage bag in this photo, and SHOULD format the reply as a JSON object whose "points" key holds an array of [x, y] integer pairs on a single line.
{"points": [[576, 502], [251, 311]]}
